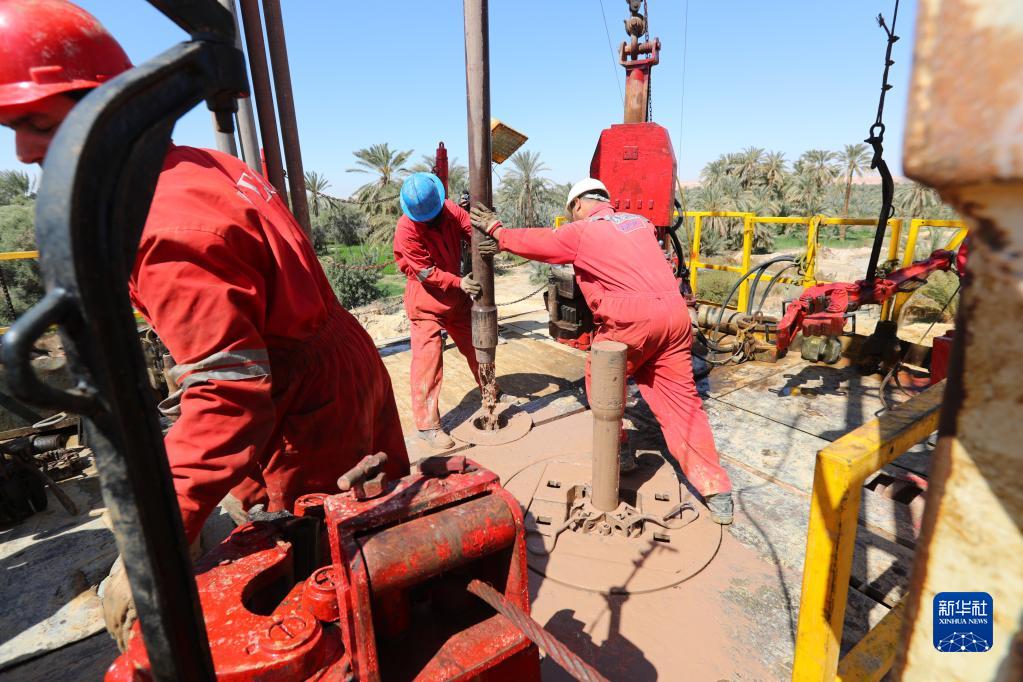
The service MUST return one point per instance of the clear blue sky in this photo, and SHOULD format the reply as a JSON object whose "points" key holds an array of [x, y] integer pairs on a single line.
{"points": [[788, 75]]}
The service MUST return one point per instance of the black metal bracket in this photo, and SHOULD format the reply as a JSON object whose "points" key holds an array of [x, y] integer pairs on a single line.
{"points": [[101, 173]]}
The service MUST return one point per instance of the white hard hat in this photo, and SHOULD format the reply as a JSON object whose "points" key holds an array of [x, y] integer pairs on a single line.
{"points": [[585, 186]]}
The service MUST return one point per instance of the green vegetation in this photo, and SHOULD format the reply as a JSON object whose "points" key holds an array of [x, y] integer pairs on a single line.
{"points": [[352, 286], [936, 301], [714, 285], [20, 283]]}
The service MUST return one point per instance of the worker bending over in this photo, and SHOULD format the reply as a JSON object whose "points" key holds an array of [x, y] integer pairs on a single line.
{"points": [[635, 299], [428, 249], [281, 391]]}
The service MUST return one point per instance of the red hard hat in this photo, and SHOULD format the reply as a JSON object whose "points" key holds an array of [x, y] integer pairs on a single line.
{"points": [[50, 46]]}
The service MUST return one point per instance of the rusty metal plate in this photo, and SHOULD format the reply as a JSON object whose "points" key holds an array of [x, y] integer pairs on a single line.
{"points": [[657, 559]]}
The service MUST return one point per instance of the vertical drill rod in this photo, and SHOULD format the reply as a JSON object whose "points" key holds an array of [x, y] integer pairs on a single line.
{"points": [[607, 402], [477, 87]]}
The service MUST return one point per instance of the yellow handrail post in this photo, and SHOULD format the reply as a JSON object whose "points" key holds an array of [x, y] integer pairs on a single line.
{"points": [[841, 469], [831, 539], [747, 252], [893, 254], [694, 256], [907, 257], [810, 276]]}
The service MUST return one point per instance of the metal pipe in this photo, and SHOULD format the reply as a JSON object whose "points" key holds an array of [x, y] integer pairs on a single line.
{"points": [[225, 141], [246, 123], [286, 110], [607, 402], [477, 85], [477, 89], [410, 553], [264, 97]]}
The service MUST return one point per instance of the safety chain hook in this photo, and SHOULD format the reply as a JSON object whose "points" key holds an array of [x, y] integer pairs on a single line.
{"points": [[876, 141]]}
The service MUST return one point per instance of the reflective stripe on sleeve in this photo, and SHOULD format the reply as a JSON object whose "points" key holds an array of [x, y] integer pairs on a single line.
{"points": [[225, 366]]}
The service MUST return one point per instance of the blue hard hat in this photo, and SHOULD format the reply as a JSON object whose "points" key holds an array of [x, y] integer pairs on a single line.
{"points": [[422, 196]]}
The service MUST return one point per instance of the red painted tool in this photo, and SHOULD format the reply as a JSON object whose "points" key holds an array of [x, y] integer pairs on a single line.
{"points": [[821, 309], [387, 598]]}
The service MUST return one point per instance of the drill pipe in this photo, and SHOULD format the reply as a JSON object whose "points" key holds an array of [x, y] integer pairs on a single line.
{"points": [[286, 110], [246, 122], [256, 47], [607, 402], [477, 88]]}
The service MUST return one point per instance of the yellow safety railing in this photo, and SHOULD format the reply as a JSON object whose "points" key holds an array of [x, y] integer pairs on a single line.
{"points": [[19, 255], [909, 254], [841, 470], [749, 223]]}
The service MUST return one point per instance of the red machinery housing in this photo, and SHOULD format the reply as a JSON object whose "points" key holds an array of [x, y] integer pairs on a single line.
{"points": [[637, 164], [386, 599]]}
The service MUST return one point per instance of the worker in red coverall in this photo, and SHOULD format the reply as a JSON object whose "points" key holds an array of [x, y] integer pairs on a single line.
{"points": [[280, 390], [428, 249], [629, 286]]}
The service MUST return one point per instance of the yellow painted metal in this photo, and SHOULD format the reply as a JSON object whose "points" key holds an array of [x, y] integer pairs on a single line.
{"points": [[19, 255], [873, 656], [893, 255], [559, 221], [841, 469], [810, 276], [694, 254], [747, 254]]}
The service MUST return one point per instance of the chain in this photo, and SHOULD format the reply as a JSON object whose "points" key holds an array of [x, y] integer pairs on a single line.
{"points": [[375, 266], [357, 202], [885, 85], [528, 296], [875, 140]]}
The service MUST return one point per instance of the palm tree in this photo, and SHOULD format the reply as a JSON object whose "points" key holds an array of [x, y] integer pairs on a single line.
{"points": [[915, 200], [748, 166], [15, 185], [524, 192], [387, 164], [855, 159], [316, 185], [379, 198], [775, 168]]}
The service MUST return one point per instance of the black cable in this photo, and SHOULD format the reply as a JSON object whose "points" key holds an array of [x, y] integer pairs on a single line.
{"points": [[756, 283], [735, 288], [770, 285]]}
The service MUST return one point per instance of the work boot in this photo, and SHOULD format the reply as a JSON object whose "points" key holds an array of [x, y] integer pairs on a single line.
{"points": [[720, 507], [437, 439]]}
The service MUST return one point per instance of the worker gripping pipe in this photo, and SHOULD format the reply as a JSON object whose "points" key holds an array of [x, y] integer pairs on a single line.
{"points": [[477, 88]]}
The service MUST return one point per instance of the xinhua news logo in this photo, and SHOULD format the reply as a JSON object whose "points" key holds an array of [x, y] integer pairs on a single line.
{"points": [[963, 622]]}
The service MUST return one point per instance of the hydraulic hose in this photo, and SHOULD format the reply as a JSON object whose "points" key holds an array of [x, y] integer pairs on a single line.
{"points": [[756, 282], [760, 268], [770, 285]]}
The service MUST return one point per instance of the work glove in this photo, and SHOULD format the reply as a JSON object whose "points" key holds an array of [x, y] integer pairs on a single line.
{"points": [[488, 245], [118, 606], [470, 286], [463, 201], [484, 219]]}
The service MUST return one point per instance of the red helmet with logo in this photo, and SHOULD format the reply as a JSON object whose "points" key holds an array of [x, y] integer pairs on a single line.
{"points": [[50, 46]]}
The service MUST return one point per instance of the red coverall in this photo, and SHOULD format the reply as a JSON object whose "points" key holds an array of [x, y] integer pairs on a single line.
{"points": [[635, 300], [430, 255], [282, 390]]}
